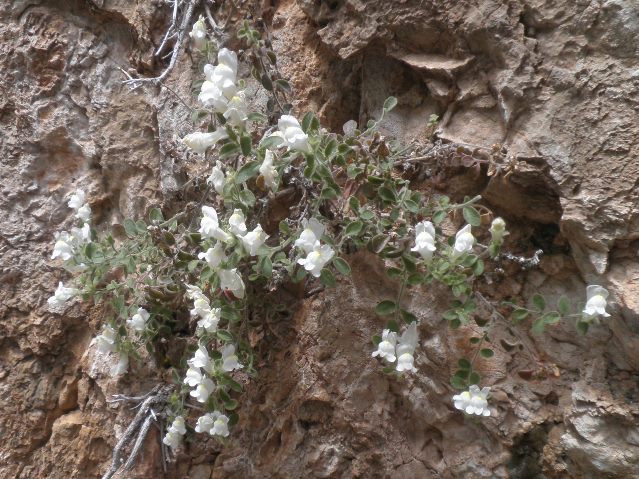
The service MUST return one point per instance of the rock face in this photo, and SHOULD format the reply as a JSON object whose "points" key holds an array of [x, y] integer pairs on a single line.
{"points": [[553, 82]]}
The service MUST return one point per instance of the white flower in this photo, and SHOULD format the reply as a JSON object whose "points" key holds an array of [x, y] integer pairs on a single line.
{"points": [[349, 128], [220, 426], [254, 240], [203, 390], [107, 340], [464, 241], [596, 301], [201, 307], [138, 320], [63, 248], [205, 423], [220, 86], [386, 348], [473, 401], [198, 34], [193, 376], [292, 134], [214, 256], [210, 320], [231, 280], [406, 348], [77, 200], [121, 366], [81, 235], [178, 425], [498, 230], [199, 141], [217, 178], [84, 213], [193, 292], [61, 295], [268, 171], [313, 231], [172, 439], [210, 226], [201, 359], [317, 259], [229, 359], [237, 224], [175, 433], [424, 239], [235, 113]]}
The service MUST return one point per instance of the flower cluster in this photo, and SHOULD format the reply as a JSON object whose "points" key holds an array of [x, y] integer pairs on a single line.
{"points": [[317, 254], [215, 423], [473, 401], [208, 317], [173, 437], [402, 350]]}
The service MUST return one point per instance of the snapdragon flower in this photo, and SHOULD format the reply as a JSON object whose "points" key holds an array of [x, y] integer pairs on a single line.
{"points": [[317, 259], [204, 389], [215, 423], [464, 241], [254, 240], [313, 231], [217, 178], [268, 171], [201, 359], [61, 295], [214, 256], [205, 423], [175, 432], [596, 301], [219, 86], [498, 231], [230, 280], [84, 213], [210, 321], [121, 367], [236, 110], [198, 34], [237, 224], [210, 226], [107, 340], [292, 134], [78, 203], [424, 239], [386, 347], [194, 376], [64, 246], [199, 142], [138, 320], [406, 349], [230, 361], [473, 401]]}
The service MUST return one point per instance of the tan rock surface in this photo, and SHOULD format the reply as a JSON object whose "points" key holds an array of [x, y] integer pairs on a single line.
{"points": [[555, 82]]}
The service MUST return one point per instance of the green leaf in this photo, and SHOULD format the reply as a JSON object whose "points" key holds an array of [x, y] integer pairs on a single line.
{"points": [[247, 197], [474, 340], [284, 228], [266, 82], [386, 307], [478, 267], [472, 216], [519, 315], [439, 216], [354, 228], [230, 405], [474, 378], [257, 117], [463, 363], [563, 305], [392, 326], [390, 103], [327, 278], [284, 85], [90, 249], [193, 265], [155, 215], [266, 266], [233, 419], [539, 302], [538, 326], [411, 206], [353, 202], [378, 243], [271, 141], [582, 327], [130, 227], [552, 317], [228, 150], [247, 171], [224, 335], [330, 149], [457, 382], [386, 194], [342, 266], [307, 120], [328, 193], [487, 352], [246, 145], [407, 316]]}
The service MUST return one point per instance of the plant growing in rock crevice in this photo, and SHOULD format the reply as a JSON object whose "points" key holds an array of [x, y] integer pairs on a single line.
{"points": [[202, 273]]}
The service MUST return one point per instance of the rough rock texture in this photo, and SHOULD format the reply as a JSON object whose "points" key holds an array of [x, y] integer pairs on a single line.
{"points": [[553, 81]]}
